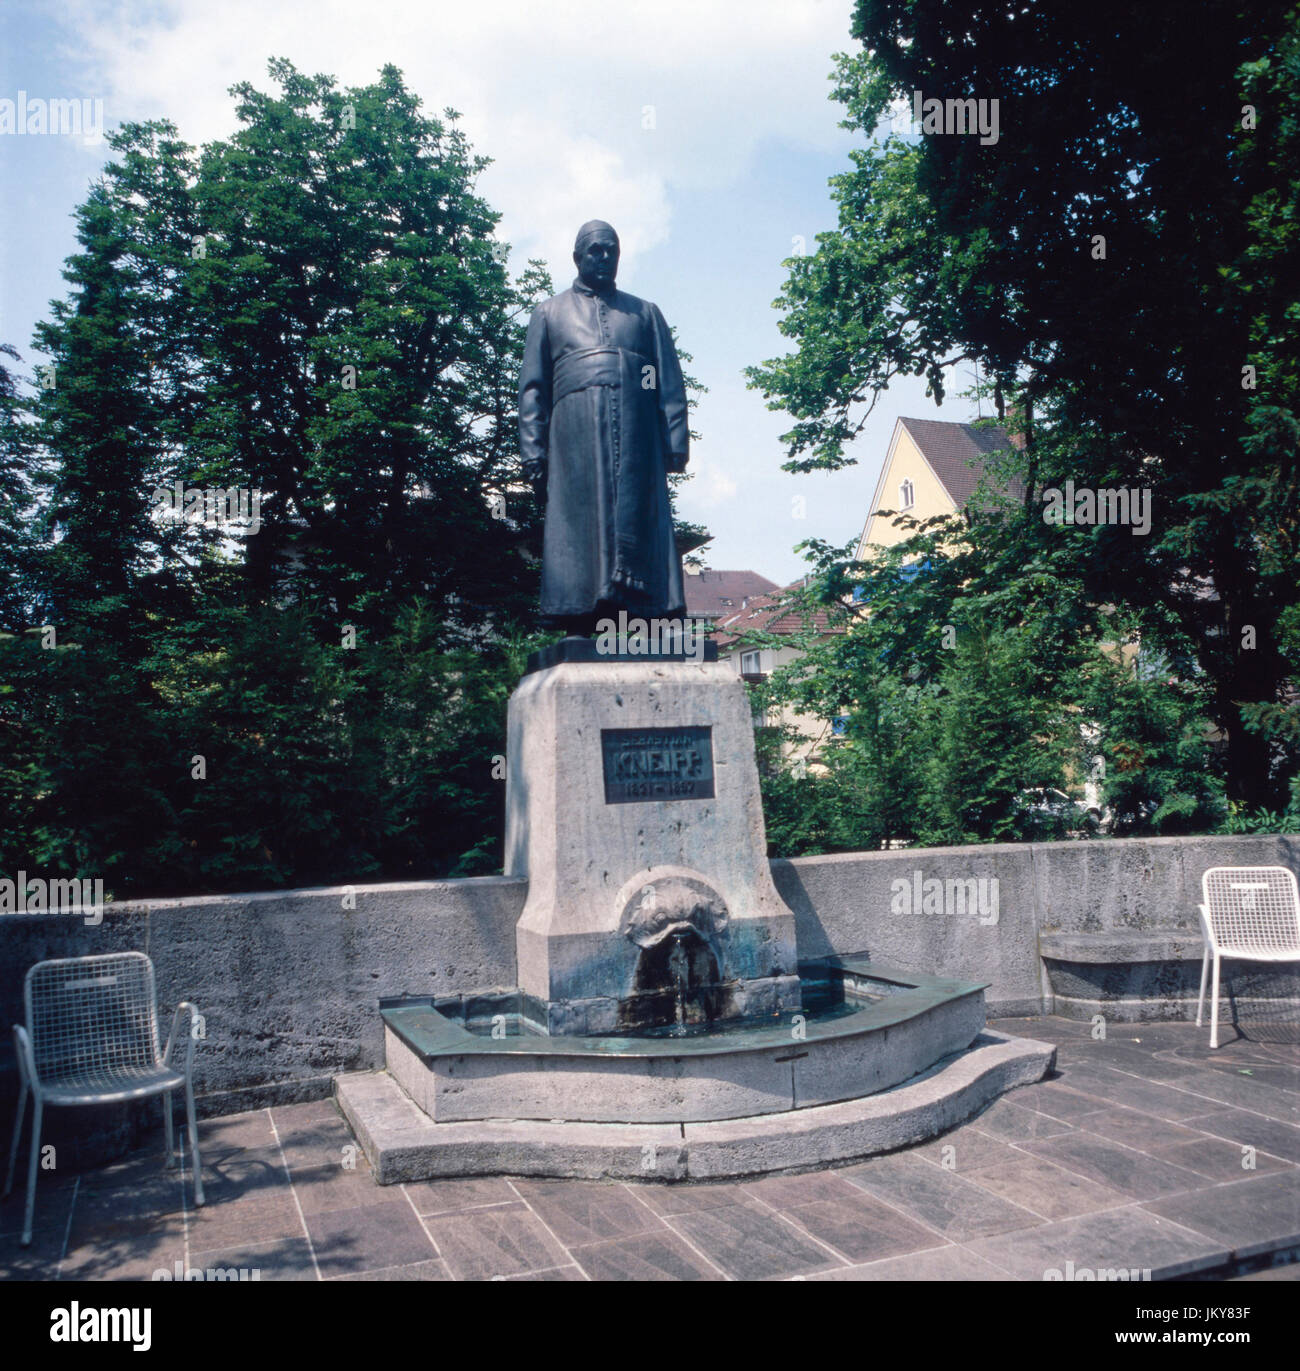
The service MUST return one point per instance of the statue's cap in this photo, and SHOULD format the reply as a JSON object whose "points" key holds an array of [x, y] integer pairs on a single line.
{"points": [[589, 230]]}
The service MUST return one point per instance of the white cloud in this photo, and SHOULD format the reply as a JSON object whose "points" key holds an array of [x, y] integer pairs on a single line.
{"points": [[711, 487], [554, 92], [544, 199]]}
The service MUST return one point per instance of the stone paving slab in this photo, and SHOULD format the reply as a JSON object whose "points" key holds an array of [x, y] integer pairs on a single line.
{"points": [[504, 1240], [1138, 1175], [968, 1149], [452, 1196], [1114, 1087], [1216, 1159], [1017, 1194], [862, 1228], [418, 1271], [1129, 1240], [582, 1212], [1252, 1130], [1290, 1272], [936, 1264], [55, 1196], [647, 1257], [749, 1242], [290, 1259], [1248, 1085], [949, 1204], [1013, 1121], [387, 1233], [1251, 1216], [1046, 1189]]}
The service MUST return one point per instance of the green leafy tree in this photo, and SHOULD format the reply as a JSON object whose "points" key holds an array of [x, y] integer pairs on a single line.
{"points": [[104, 414], [1152, 736], [17, 501], [972, 679], [316, 310], [360, 351], [1113, 263]]}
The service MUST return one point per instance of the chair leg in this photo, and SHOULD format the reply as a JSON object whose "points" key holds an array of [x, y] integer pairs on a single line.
{"points": [[17, 1138], [194, 1141], [170, 1143], [32, 1164], [1205, 971], [1214, 1007]]}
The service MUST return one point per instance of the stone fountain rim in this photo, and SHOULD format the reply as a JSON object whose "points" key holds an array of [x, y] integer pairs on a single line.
{"points": [[431, 1034]]}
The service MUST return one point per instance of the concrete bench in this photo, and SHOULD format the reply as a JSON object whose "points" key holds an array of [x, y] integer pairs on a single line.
{"points": [[1123, 946], [1139, 975]]}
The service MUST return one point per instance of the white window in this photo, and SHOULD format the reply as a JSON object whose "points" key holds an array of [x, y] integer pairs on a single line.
{"points": [[751, 663], [906, 495]]}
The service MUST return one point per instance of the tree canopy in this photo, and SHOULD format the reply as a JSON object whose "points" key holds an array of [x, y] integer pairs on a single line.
{"points": [[1115, 265], [314, 312]]}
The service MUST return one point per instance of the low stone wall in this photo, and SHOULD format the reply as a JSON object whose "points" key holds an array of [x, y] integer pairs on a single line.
{"points": [[1128, 887], [289, 984], [867, 902]]}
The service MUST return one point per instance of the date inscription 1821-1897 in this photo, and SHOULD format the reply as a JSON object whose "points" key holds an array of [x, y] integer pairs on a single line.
{"points": [[657, 764]]}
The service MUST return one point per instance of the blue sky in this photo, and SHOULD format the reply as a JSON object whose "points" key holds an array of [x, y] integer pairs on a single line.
{"points": [[707, 203]]}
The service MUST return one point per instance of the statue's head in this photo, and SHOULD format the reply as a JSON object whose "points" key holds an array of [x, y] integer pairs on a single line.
{"points": [[595, 254]]}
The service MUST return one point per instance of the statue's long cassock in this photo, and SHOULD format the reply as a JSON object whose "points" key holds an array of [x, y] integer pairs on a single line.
{"points": [[603, 407]]}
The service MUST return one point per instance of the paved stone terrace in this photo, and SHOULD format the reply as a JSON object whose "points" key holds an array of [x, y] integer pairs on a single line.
{"points": [[1130, 1157]]}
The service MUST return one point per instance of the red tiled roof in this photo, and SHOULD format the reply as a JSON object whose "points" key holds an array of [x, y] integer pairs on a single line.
{"points": [[768, 614], [956, 452], [716, 594]]}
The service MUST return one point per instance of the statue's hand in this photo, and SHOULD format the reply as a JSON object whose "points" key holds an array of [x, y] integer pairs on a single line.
{"points": [[676, 462]]}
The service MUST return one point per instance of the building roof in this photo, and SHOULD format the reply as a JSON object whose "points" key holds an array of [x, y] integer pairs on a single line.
{"points": [[769, 614], [716, 594], [955, 453]]}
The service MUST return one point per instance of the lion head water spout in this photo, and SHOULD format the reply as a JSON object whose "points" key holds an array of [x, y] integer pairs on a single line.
{"points": [[678, 984], [676, 987]]}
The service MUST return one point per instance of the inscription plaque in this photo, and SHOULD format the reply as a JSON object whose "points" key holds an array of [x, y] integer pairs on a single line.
{"points": [[657, 764]]}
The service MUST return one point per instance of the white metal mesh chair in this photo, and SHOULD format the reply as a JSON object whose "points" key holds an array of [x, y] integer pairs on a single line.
{"points": [[1250, 912], [92, 1038]]}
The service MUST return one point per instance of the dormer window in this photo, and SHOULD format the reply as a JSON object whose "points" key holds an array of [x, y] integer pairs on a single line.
{"points": [[906, 495]]}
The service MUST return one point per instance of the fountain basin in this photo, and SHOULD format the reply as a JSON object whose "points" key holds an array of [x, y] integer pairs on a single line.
{"points": [[866, 1028]]}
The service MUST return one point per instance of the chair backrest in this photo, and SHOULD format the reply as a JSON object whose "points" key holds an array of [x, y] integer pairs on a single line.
{"points": [[1255, 907], [90, 1014]]}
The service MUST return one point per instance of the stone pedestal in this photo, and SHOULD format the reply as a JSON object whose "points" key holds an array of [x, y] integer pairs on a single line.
{"points": [[633, 809]]}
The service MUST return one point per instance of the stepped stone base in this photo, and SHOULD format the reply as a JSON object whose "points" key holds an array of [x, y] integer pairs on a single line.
{"points": [[403, 1144]]}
